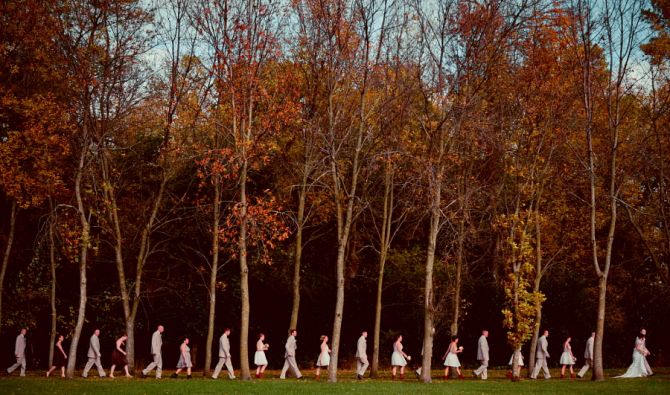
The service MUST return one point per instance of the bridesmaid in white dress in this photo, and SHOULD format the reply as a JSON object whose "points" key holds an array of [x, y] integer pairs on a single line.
{"points": [[324, 357], [451, 359], [567, 358], [184, 359], [260, 360], [509, 373], [399, 358], [638, 368]]}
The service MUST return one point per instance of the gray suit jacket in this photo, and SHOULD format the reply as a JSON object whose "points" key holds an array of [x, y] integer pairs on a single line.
{"points": [[94, 347], [291, 346], [224, 346], [20, 346], [156, 343], [588, 352], [483, 349], [361, 349], [542, 345]]}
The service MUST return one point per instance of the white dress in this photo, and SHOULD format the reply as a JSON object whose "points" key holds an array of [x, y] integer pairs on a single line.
{"points": [[452, 359], [184, 357], [324, 357], [566, 357], [511, 360], [637, 368], [397, 359], [259, 357]]}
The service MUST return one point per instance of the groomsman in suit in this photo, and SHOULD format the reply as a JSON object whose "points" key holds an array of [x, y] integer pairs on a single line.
{"points": [[541, 356], [224, 356], [643, 332], [19, 353], [94, 355], [156, 346], [483, 355], [588, 356], [289, 356], [361, 355]]}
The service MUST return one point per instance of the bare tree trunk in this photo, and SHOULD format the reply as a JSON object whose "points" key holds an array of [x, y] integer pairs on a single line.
{"points": [[428, 307], [343, 237], [83, 259], [385, 242], [212, 278], [142, 256], [536, 289], [52, 261], [244, 278], [456, 303], [8, 251], [302, 197]]}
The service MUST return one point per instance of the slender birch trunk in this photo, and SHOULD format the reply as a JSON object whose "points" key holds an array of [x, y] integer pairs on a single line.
{"points": [[385, 243]]}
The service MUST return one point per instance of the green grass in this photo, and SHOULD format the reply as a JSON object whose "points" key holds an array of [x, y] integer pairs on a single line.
{"points": [[497, 384]]}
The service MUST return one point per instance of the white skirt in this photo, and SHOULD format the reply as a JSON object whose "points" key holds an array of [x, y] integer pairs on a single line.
{"points": [[397, 359], [511, 360], [566, 359], [452, 361], [259, 358], [323, 360]]}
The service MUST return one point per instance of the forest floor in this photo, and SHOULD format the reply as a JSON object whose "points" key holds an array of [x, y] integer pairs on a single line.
{"points": [[271, 384]]}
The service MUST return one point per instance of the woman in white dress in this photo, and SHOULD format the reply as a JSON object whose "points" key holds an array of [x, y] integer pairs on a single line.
{"points": [[638, 367], [451, 359], [184, 359], [324, 357], [260, 360], [509, 373], [399, 358], [567, 358]]}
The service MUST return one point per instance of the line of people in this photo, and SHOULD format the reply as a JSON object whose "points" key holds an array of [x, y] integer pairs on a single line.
{"points": [[399, 359]]}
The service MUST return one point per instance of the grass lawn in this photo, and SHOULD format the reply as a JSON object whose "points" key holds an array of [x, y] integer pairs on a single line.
{"points": [[497, 384]]}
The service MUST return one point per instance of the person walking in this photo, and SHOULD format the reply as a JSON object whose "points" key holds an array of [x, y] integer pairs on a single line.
{"points": [[324, 356], [94, 355], [224, 356], [588, 356], [541, 356], [289, 356], [399, 359], [120, 356], [19, 353], [361, 355], [184, 360], [60, 357], [451, 358], [156, 349], [567, 358], [260, 360], [482, 356]]}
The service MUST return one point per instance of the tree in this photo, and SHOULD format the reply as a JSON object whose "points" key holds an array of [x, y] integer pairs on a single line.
{"points": [[242, 38], [620, 29]]}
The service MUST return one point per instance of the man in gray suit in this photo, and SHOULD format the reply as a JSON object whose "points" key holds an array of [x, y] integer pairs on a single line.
{"points": [[541, 356], [156, 346], [224, 356], [361, 355], [289, 356], [19, 353], [94, 355], [483, 355], [588, 356]]}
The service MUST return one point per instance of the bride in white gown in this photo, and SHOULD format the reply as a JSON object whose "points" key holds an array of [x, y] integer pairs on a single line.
{"points": [[638, 368]]}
